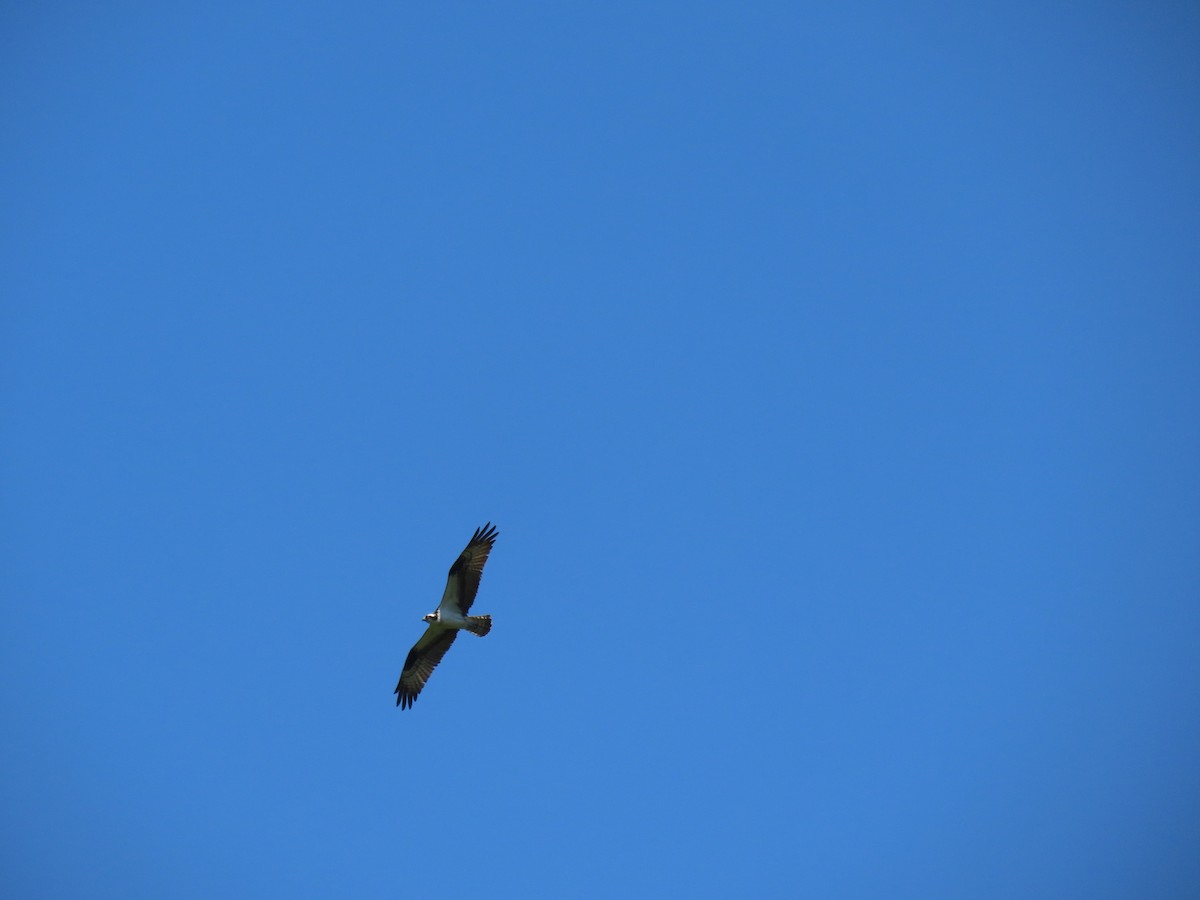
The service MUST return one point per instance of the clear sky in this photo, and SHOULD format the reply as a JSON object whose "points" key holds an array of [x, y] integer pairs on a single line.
{"points": [[832, 373]]}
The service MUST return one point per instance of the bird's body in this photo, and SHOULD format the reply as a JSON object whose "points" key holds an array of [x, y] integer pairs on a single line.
{"points": [[449, 618]]}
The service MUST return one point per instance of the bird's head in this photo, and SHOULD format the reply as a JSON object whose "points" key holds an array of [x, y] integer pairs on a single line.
{"points": [[429, 617]]}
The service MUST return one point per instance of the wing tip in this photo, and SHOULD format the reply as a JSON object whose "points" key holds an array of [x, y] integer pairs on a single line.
{"points": [[485, 535]]}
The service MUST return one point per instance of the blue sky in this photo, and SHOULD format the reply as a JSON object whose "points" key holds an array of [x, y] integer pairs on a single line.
{"points": [[830, 371]]}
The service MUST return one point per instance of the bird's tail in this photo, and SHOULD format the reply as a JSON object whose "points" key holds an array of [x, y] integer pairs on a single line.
{"points": [[479, 625]]}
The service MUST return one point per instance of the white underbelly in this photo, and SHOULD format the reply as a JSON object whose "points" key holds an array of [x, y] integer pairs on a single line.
{"points": [[452, 618]]}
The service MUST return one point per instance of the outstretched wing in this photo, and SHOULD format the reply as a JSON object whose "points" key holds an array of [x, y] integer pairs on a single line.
{"points": [[463, 583], [422, 659]]}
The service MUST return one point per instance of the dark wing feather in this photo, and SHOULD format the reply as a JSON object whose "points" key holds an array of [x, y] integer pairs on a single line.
{"points": [[421, 661], [463, 583]]}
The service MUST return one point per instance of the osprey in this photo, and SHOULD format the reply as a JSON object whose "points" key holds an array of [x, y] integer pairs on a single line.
{"points": [[449, 618]]}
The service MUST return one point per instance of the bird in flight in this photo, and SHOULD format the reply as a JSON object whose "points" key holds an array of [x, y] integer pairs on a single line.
{"points": [[449, 618]]}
